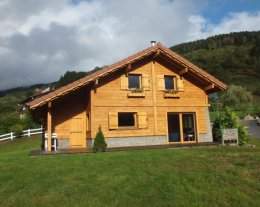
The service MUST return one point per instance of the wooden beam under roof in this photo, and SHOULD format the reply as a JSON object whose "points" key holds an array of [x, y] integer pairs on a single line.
{"points": [[209, 87], [156, 54], [184, 70], [128, 68]]}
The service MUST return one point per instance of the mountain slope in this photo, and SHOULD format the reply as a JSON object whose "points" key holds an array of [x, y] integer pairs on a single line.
{"points": [[233, 58]]}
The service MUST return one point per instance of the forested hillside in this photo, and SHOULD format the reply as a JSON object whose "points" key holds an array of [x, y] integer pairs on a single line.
{"points": [[233, 58]]}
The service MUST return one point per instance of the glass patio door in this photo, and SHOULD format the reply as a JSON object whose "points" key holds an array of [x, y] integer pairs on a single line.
{"points": [[181, 127]]}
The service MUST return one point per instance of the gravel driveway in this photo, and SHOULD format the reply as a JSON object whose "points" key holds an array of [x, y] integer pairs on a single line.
{"points": [[253, 128]]}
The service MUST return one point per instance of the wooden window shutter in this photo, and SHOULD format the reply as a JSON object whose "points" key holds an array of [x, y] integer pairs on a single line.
{"points": [[113, 120], [142, 120], [179, 83], [124, 82], [160, 82], [146, 82]]}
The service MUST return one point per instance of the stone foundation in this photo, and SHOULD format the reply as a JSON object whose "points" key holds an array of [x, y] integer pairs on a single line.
{"points": [[206, 137], [132, 141], [63, 144]]}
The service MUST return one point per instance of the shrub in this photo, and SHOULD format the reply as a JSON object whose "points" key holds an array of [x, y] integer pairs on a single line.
{"points": [[216, 130], [229, 120], [243, 135], [8, 122], [100, 144], [18, 130]]}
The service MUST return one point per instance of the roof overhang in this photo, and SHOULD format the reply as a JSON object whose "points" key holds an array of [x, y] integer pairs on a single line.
{"points": [[211, 83]]}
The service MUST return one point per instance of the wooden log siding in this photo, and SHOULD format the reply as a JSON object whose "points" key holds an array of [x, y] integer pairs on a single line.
{"points": [[113, 120], [193, 99]]}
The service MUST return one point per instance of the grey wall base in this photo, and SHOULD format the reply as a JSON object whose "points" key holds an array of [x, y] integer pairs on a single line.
{"points": [[206, 137], [63, 144], [133, 141]]}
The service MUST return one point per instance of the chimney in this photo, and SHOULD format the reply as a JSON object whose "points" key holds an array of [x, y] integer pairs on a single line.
{"points": [[153, 43]]}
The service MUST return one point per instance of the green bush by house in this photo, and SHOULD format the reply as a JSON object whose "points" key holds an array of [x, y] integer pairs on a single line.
{"points": [[100, 144]]}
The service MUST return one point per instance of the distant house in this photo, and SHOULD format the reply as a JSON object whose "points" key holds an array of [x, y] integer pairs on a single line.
{"points": [[154, 97], [22, 109]]}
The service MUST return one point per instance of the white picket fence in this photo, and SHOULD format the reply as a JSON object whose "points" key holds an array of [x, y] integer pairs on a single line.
{"points": [[26, 133]]}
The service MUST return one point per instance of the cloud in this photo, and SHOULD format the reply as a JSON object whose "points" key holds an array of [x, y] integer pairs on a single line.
{"points": [[236, 22], [41, 41]]}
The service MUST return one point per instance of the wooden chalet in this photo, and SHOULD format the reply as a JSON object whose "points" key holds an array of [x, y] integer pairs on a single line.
{"points": [[154, 97]]}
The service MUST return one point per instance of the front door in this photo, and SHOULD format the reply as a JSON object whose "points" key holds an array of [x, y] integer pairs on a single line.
{"points": [[76, 132]]}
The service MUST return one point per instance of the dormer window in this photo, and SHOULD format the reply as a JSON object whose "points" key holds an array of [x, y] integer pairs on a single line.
{"points": [[134, 81], [169, 82]]}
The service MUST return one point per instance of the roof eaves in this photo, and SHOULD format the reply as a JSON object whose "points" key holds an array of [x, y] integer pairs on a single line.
{"points": [[85, 80]]}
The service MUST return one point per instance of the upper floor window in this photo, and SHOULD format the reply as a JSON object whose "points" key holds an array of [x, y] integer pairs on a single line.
{"points": [[169, 82], [134, 81]]}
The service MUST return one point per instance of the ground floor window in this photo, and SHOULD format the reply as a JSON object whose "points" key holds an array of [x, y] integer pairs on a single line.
{"points": [[126, 119], [181, 127]]}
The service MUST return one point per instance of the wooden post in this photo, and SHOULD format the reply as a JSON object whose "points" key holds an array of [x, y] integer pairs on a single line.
{"points": [[49, 125], [181, 127], [154, 98]]}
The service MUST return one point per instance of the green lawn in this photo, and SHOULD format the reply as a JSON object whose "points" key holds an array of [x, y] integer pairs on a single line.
{"points": [[198, 176]]}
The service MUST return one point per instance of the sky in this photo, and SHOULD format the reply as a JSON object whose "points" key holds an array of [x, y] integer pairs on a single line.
{"points": [[42, 39]]}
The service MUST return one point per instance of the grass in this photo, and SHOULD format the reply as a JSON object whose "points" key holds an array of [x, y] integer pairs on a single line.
{"points": [[199, 176]]}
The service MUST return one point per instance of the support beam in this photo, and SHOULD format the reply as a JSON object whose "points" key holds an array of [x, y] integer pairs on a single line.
{"points": [[96, 82], [154, 97], [184, 70], [49, 126], [209, 87], [181, 128], [95, 85], [155, 55], [128, 68]]}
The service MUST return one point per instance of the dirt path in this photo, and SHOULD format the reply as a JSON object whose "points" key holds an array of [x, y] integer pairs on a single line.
{"points": [[253, 128]]}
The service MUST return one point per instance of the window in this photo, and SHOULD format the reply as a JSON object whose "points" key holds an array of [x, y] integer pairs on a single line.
{"points": [[134, 81], [126, 119], [169, 82]]}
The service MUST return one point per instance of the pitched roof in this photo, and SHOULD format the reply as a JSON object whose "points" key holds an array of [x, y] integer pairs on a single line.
{"points": [[123, 63]]}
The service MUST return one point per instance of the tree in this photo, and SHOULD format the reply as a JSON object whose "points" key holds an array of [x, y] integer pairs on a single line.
{"points": [[69, 77], [100, 144], [237, 98]]}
